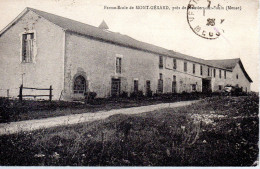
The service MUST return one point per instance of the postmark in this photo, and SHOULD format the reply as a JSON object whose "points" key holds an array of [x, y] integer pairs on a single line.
{"points": [[205, 18]]}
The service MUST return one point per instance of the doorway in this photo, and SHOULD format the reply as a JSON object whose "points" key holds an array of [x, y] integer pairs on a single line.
{"points": [[206, 85], [148, 87], [115, 87], [174, 85]]}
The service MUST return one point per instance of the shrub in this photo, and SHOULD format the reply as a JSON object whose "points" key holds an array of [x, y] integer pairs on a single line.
{"points": [[123, 94], [156, 95], [138, 94], [184, 92], [90, 96], [149, 93]]}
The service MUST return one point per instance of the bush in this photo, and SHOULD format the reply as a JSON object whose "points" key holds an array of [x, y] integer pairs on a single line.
{"points": [[238, 91], [90, 96], [138, 94], [156, 94], [149, 93], [123, 94], [4, 110]]}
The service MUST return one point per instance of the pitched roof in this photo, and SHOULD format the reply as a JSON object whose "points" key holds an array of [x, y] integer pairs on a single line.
{"points": [[97, 33], [226, 63], [230, 65], [105, 35], [117, 38]]}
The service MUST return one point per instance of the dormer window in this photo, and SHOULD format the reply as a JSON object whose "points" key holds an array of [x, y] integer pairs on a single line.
{"points": [[27, 47]]}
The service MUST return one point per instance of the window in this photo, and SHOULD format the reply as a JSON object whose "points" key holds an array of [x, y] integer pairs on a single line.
{"points": [[118, 64], [135, 86], [174, 78], [225, 74], [193, 87], [160, 62], [201, 70], [220, 74], [219, 87], [185, 66], [194, 68], [27, 47], [160, 76], [214, 72], [79, 85], [174, 64], [208, 71], [237, 76]]}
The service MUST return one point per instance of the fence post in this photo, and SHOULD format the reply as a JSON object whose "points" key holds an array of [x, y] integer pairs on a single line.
{"points": [[8, 93], [21, 93], [50, 97]]}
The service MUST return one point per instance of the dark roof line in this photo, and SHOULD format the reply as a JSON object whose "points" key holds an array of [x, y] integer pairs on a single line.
{"points": [[244, 71]]}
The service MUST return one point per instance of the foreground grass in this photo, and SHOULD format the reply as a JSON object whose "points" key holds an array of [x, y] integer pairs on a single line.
{"points": [[219, 131]]}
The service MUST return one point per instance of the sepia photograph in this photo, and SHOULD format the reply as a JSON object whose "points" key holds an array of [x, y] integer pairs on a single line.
{"points": [[96, 83]]}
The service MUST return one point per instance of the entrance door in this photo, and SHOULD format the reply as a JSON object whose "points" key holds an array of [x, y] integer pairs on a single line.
{"points": [[148, 87], [115, 87], [206, 85], [174, 86]]}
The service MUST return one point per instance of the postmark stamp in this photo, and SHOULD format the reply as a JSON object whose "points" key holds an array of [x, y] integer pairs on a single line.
{"points": [[205, 19]]}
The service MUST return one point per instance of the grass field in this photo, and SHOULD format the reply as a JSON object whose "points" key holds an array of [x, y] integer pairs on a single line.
{"points": [[14, 110], [218, 131]]}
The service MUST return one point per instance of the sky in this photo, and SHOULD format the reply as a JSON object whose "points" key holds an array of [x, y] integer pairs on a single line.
{"points": [[164, 28]]}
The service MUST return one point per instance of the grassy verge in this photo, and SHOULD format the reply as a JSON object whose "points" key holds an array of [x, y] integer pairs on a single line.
{"points": [[13, 110], [219, 131]]}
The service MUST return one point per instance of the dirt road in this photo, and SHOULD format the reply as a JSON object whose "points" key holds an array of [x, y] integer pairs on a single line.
{"points": [[30, 125]]}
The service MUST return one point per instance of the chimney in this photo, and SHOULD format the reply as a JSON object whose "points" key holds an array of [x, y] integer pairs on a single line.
{"points": [[103, 25]]}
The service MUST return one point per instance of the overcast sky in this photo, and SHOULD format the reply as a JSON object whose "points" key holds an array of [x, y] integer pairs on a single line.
{"points": [[165, 28]]}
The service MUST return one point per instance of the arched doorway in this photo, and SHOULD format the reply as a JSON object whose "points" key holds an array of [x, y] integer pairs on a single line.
{"points": [[80, 85]]}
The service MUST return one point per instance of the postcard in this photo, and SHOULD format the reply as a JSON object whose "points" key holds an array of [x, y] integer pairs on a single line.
{"points": [[129, 83]]}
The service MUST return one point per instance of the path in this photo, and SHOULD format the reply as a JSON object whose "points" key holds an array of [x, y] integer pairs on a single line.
{"points": [[30, 125]]}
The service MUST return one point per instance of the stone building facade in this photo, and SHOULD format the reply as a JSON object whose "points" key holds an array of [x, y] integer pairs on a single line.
{"points": [[39, 49]]}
